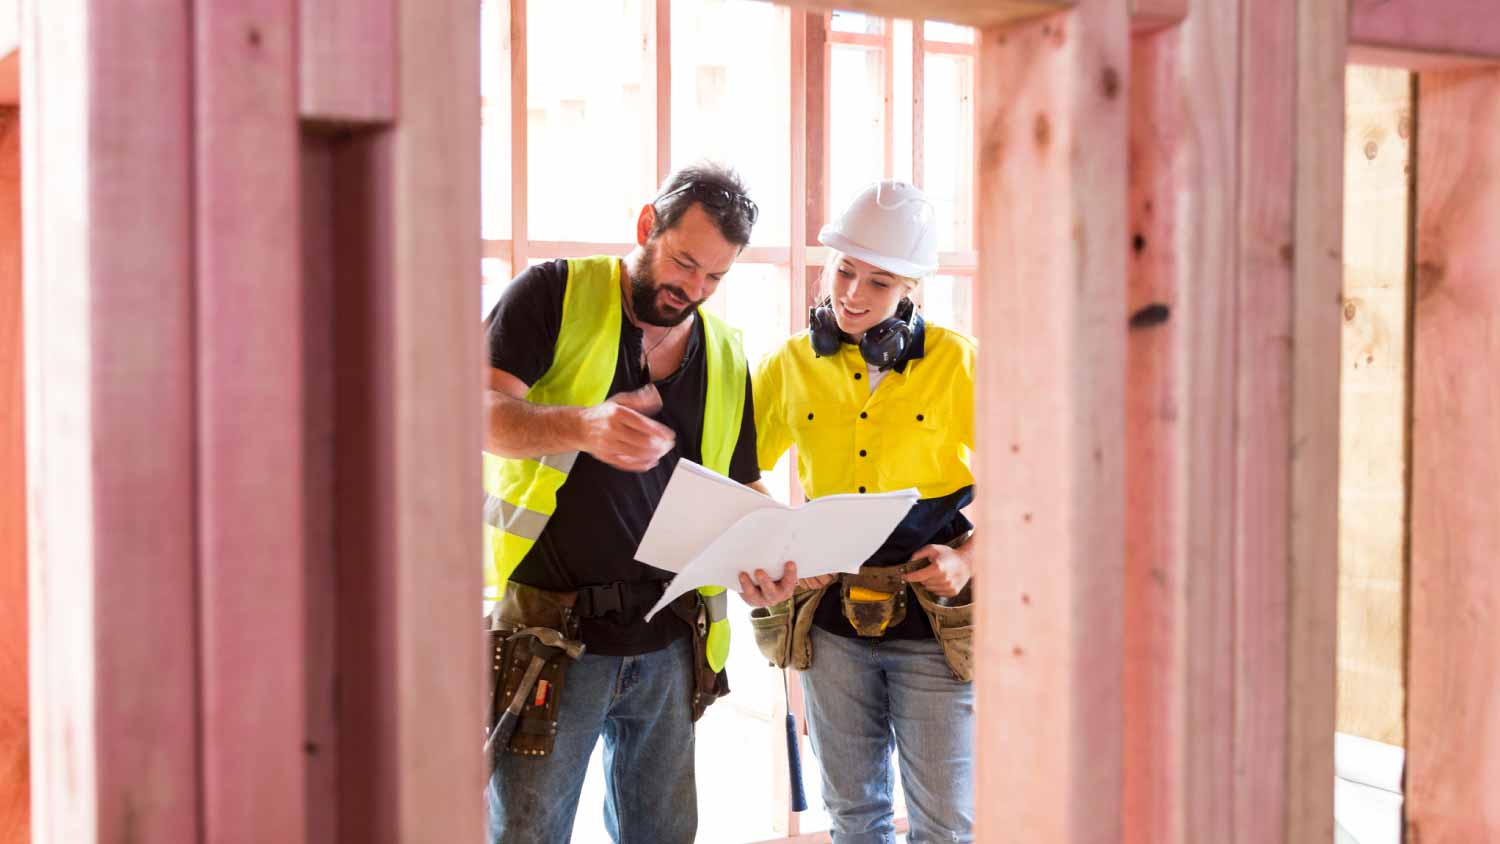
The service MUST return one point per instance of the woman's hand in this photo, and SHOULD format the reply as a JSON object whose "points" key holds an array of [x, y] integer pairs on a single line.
{"points": [[947, 575], [762, 591]]}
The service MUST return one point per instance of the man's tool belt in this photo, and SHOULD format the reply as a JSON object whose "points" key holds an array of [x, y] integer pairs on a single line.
{"points": [[521, 607], [873, 600]]}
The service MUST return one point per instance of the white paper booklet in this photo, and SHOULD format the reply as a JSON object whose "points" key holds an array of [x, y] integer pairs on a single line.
{"points": [[709, 528]]}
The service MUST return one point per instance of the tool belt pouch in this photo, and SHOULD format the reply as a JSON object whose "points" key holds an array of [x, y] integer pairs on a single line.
{"points": [[953, 625], [525, 606], [781, 630], [708, 685], [874, 599]]}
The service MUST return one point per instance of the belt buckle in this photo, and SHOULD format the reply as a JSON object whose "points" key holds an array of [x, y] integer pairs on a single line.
{"points": [[596, 601]]}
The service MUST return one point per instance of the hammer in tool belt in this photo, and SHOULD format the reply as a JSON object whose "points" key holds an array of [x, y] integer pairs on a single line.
{"points": [[545, 643]]}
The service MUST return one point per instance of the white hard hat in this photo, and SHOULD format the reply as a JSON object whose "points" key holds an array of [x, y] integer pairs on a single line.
{"points": [[889, 224]]}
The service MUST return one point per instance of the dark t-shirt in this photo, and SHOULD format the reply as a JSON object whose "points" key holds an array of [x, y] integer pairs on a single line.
{"points": [[602, 512]]}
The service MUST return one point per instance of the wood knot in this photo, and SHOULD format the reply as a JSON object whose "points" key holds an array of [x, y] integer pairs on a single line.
{"points": [[1288, 253], [1138, 243], [1350, 311], [1155, 313], [1042, 130], [1372, 149], [1110, 83], [253, 36]]}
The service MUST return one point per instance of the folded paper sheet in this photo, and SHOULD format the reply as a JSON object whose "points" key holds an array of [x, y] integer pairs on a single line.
{"points": [[709, 528]]}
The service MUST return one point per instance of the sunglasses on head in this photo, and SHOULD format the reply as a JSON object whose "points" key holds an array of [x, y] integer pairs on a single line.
{"points": [[716, 198]]}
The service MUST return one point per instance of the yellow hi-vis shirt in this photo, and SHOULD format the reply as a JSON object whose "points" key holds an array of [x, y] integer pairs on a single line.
{"points": [[915, 430]]}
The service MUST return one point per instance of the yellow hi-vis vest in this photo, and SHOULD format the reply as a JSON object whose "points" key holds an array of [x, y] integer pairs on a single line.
{"points": [[521, 494]]}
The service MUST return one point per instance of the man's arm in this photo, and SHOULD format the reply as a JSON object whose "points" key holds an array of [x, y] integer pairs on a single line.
{"points": [[617, 431]]}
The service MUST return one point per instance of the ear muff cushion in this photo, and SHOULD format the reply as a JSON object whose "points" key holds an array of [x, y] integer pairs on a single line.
{"points": [[823, 330]]}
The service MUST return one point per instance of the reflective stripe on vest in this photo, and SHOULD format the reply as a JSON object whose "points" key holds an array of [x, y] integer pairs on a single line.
{"points": [[521, 495]]}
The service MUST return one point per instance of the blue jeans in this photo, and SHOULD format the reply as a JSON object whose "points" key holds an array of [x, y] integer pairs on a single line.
{"points": [[640, 704], [863, 698]]}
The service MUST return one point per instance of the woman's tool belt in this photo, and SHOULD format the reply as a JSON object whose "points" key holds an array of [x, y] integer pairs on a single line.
{"points": [[873, 600]]}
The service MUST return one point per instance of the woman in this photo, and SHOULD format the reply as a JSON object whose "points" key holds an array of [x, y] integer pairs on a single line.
{"points": [[877, 400]]}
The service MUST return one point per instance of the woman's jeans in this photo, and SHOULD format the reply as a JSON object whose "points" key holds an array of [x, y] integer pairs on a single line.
{"points": [[865, 697]]}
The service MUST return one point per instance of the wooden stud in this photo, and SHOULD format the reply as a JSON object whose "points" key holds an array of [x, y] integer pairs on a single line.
{"points": [[1178, 679], [519, 177], [662, 71], [888, 98], [1051, 460], [919, 103], [251, 536], [1453, 708], [407, 357], [107, 201], [15, 791], [345, 70]]}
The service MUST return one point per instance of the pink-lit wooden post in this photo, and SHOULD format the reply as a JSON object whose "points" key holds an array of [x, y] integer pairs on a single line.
{"points": [[1051, 459], [15, 797], [112, 435], [1453, 697], [252, 416]]}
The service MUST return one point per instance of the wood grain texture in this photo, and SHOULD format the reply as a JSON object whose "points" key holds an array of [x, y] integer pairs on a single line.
{"points": [[320, 471], [1051, 440], [346, 72], [1179, 678], [1453, 703], [15, 764], [107, 158], [1424, 34], [410, 370], [1373, 441], [251, 533]]}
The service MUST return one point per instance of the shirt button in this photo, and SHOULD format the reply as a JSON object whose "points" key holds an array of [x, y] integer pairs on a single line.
{"points": [[861, 452], [861, 489], [809, 417], [858, 375], [864, 415], [920, 417]]}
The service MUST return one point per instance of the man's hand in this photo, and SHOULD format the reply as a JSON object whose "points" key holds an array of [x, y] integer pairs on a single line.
{"points": [[621, 432], [946, 576], [762, 591]]}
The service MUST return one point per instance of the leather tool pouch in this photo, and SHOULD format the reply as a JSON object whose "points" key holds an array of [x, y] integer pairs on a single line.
{"points": [[781, 630], [875, 598], [952, 622], [708, 685], [510, 656]]}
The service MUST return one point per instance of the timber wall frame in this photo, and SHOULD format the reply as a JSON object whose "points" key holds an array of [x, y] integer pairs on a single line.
{"points": [[1161, 328]]}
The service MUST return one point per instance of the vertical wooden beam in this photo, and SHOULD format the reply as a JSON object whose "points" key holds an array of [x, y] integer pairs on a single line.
{"points": [[15, 774], [816, 116], [1051, 438], [919, 103], [1453, 705], [409, 364], [661, 69], [251, 535], [1290, 274], [107, 200], [346, 72], [1179, 680], [888, 84], [519, 177]]}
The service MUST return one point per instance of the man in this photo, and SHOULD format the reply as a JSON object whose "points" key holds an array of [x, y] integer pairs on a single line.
{"points": [[604, 372]]}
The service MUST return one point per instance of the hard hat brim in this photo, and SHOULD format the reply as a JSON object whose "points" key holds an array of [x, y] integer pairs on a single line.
{"points": [[834, 240]]}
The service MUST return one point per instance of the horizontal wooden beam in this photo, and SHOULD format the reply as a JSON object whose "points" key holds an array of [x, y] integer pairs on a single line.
{"points": [[1424, 34], [1147, 15], [978, 13]]}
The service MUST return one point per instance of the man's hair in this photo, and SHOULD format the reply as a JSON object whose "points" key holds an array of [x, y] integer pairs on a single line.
{"points": [[732, 221]]}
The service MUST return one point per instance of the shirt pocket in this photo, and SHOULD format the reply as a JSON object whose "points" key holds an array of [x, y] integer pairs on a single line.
{"points": [[824, 435], [914, 437]]}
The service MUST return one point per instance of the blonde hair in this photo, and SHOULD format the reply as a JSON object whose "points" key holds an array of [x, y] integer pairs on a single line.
{"points": [[831, 264]]}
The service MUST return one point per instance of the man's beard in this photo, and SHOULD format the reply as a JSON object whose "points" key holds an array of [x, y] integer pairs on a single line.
{"points": [[644, 290]]}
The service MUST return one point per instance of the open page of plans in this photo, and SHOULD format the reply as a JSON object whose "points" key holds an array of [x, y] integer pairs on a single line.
{"points": [[709, 528]]}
